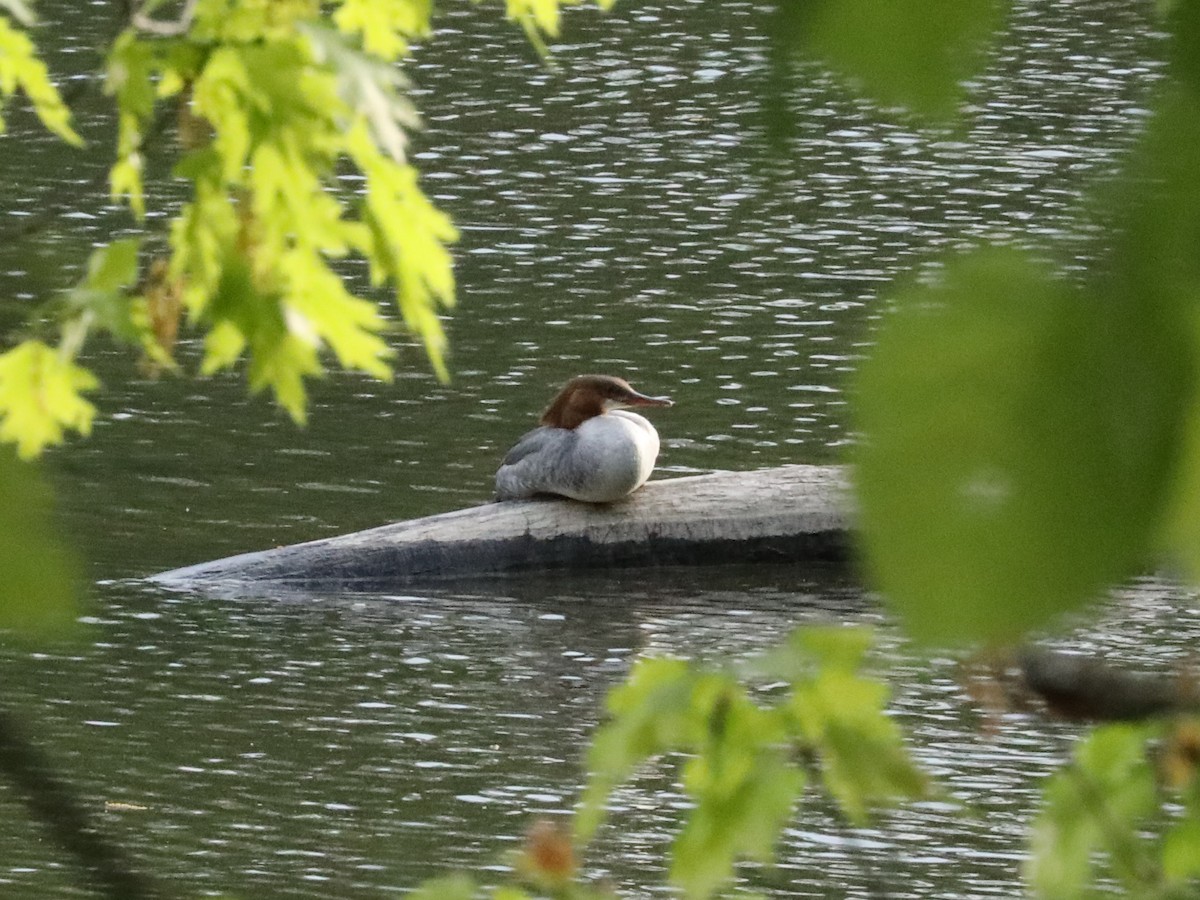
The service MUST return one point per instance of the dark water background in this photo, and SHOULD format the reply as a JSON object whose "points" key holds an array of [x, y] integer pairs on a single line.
{"points": [[621, 213]]}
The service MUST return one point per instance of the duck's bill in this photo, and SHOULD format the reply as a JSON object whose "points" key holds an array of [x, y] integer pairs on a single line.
{"points": [[637, 399]]}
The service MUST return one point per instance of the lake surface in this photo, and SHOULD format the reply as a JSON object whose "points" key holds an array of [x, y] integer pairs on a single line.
{"points": [[621, 213]]}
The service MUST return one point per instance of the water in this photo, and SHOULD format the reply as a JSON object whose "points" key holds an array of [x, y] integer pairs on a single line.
{"points": [[620, 214], [351, 746]]}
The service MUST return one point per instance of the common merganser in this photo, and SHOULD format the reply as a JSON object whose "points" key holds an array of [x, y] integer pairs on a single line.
{"points": [[587, 448]]}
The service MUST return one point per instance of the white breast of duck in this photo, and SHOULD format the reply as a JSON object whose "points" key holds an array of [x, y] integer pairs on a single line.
{"points": [[589, 447]]}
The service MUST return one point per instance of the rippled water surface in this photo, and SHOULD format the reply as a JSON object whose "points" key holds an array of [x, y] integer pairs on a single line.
{"points": [[347, 746], [622, 212]]}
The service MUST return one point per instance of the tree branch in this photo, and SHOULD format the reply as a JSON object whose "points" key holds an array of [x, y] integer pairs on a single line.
{"points": [[141, 20], [51, 801]]}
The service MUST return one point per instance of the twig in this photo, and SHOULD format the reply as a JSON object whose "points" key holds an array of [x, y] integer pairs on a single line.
{"points": [[141, 20]]}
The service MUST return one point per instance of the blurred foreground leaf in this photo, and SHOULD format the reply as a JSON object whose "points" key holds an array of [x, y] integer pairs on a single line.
{"points": [[1159, 260], [451, 887], [41, 397], [739, 774], [910, 53], [21, 69], [747, 764], [104, 300], [1183, 22], [651, 714], [37, 574], [1092, 811], [1018, 436], [842, 716]]}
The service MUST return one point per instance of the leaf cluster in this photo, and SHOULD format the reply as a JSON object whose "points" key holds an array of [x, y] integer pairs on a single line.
{"points": [[1029, 439], [275, 101], [746, 764], [21, 70], [291, 119], [1128, 807]]}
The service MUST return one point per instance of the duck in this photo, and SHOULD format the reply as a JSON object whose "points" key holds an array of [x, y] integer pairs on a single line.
{"points": [[587, 447]]}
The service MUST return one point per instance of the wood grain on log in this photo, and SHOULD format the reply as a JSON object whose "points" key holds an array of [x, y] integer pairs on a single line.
{"points": [[788, 513]]}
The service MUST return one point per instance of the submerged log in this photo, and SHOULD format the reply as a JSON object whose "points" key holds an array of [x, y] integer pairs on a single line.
{"points": [[790, 513], [1078, 686]]}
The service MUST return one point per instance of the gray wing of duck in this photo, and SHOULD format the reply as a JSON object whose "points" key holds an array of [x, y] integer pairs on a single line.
{"points": [[525, 467]]}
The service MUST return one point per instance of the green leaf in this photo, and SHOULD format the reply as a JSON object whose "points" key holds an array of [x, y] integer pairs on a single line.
{"points": [[833, 649], [1062, 841], [369, 86], [539, 18], [1157, 259], [385, 28], [651, 714], [20, 68], [204, 235], [740, 818], [742, 781], [407, 243], [282, 348], [535, 15], [130, 70], [911, 53], [1018, 435], [125, 180], [740, 769], [115, 266], [1095, 804], [41, 397], [103, 298], [841, 716], [282, 365], [1183, 22], [319, 305], [129, 75], [810, 649], [450, 887], [1181, 851], [38, 576], [224, 95]]}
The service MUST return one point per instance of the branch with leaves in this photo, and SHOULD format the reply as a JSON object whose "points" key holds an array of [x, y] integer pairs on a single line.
{"points": [[272, 102]]}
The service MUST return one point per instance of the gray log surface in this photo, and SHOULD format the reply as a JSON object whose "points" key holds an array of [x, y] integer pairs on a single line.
{"points": [[785, 514]]}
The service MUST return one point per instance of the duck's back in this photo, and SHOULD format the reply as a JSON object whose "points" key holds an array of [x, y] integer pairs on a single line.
{"points": [[604, 459]]}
